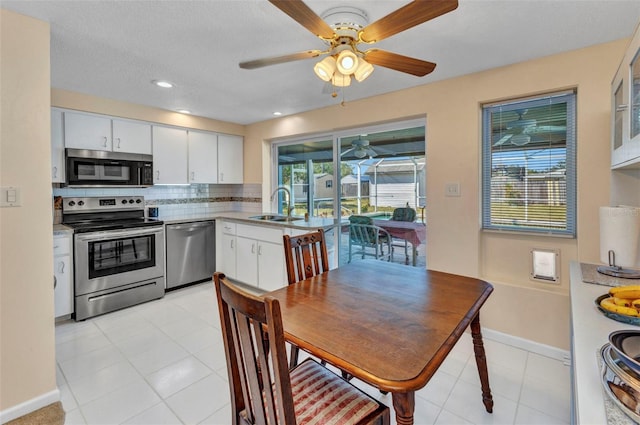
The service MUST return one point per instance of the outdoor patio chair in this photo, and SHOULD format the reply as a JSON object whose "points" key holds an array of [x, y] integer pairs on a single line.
{"points": [[403, 214], [363, 235]]}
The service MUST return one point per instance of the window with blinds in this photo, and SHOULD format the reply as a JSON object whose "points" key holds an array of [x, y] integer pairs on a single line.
{"points": [[529, 165]]}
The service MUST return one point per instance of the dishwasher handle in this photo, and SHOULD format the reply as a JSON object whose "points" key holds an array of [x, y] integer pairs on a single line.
{"points": [[190, 226]]}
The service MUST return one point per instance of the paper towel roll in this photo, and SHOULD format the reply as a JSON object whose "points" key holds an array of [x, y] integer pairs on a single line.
{"points": [[620, 232]]}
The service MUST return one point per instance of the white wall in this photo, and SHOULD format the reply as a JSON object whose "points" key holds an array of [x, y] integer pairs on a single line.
{"points": [[27, 354]]}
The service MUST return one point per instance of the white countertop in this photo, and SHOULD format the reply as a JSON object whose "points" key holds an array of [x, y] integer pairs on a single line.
{"points": [[245, 217], [590, 331]]}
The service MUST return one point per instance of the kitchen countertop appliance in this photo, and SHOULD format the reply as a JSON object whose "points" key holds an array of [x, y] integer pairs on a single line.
{"points": [[190, 252], [119, 255]]}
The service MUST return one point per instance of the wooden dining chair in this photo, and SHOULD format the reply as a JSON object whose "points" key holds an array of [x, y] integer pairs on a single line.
{"points": [[305, 256], [263, 389]]}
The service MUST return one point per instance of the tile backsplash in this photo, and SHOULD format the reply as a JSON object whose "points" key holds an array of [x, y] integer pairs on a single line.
{"points": [[178, 201]]}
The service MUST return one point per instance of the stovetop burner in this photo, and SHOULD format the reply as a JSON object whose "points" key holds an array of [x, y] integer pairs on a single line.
{"points": [[97, 226], [94, 214]]}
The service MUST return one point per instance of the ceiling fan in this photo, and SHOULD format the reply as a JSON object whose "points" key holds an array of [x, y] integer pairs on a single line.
{"points": [[522, 131], [348, 28], [360, 149]]}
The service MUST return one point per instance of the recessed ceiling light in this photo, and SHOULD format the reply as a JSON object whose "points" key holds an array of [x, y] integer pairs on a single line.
{"points": [[183, 111], [277, 114], [163, 84]]}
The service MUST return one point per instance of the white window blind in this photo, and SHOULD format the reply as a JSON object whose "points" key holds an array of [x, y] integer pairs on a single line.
{"points": [[528, 165]]}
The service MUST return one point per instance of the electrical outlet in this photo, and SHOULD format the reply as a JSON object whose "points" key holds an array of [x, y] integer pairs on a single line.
{"points": [[452, 189]]}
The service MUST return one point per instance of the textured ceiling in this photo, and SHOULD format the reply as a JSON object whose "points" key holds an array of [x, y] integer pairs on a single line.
{"points": [[114, 49]]}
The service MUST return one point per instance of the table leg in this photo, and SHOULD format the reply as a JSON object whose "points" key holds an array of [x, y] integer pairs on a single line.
{"points": [[404, 404], [481, 362]]}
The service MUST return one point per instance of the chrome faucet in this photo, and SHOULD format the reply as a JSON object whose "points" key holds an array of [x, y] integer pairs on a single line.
{"points": [[289, 205]]}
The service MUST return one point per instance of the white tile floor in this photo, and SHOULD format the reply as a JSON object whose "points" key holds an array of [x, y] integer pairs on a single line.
{"points": [[163, 363]]}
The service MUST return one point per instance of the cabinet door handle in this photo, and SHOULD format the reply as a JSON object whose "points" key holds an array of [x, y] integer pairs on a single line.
{"points": [[55, 172], [231, 243], [118, 143], [221, 177], [105, 141], [621, 108], [193, 175], [260, 250], [157, 174], [61, 267], [253, 248]]}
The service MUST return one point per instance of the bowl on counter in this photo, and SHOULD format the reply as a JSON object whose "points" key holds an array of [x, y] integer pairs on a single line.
{"points": [[626, 344], [621, 384]]}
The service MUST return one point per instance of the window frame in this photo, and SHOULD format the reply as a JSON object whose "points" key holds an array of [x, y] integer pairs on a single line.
{"points": [[568, 97]]}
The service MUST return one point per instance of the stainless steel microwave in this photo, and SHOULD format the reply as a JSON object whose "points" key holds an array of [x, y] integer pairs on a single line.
{"points": [[89, 168]]}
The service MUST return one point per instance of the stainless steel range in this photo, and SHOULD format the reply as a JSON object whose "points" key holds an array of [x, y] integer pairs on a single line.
{"points": [[118, 253]]}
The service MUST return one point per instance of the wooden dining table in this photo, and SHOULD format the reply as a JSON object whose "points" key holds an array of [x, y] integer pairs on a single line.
{"points": [[386, 324]]}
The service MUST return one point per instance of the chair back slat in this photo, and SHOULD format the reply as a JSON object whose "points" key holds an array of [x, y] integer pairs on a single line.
{"points": [[256, 360], [305, 255]]}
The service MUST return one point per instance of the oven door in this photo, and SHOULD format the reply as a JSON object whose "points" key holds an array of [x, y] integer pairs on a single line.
{"points": [[108, 259]]}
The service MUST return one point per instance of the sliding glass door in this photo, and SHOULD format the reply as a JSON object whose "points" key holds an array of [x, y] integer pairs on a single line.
{"points": [[369, 172]]}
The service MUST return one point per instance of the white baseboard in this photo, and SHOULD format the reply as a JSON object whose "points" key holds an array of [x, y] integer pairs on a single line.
{"points": [[29, 406], [525, 344]]}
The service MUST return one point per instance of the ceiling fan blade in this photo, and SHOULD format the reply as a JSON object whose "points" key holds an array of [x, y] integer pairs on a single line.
{"points": [[398, 62], [259, 63], [504, 139], [302, 14], [347, 151], [408, 16]]}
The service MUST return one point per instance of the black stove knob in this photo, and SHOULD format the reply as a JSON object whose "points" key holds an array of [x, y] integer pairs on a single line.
{"points": [[124, 201], [71, 203], [131, 201], [80, 203], [138, 201]]}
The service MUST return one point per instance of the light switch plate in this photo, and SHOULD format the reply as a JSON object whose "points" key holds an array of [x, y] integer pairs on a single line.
{"points": [[452, 189], [10, 196]]}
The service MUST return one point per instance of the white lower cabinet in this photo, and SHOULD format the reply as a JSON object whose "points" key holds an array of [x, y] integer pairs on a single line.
{"points": [[252, 254], [226, 245], [63, 277]]}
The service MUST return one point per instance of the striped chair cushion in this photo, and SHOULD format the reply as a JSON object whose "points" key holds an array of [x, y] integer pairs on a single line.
{"points": [[322, 398]]}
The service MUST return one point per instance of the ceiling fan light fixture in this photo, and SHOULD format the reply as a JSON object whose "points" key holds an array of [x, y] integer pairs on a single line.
{"points": [[341, 80], [520, 139], [360, 153], [325, 68], [347, 62], [363, 71]]}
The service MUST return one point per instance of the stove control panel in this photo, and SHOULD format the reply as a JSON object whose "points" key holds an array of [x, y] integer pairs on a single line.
{"points": [[102, 204]]}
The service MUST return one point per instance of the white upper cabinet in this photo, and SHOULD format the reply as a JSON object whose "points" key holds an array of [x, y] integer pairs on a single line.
{"points": [[90, 131], [57, 147], [230, 159], [131, 136], [203, 157], [625, 113], [84, 131], [170, 156]]}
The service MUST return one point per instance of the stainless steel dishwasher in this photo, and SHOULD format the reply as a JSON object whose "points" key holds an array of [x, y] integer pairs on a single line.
{"points": [[191, 255]]}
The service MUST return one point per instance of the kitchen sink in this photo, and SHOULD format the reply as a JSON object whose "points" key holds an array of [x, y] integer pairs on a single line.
{"points": [[275, 217]]}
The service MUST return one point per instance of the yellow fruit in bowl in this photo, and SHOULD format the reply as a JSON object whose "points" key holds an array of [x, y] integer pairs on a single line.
{"points": [[610, 305]]}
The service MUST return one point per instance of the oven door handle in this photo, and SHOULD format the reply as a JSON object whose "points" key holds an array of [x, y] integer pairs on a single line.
{"points": [[110, 234]]}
